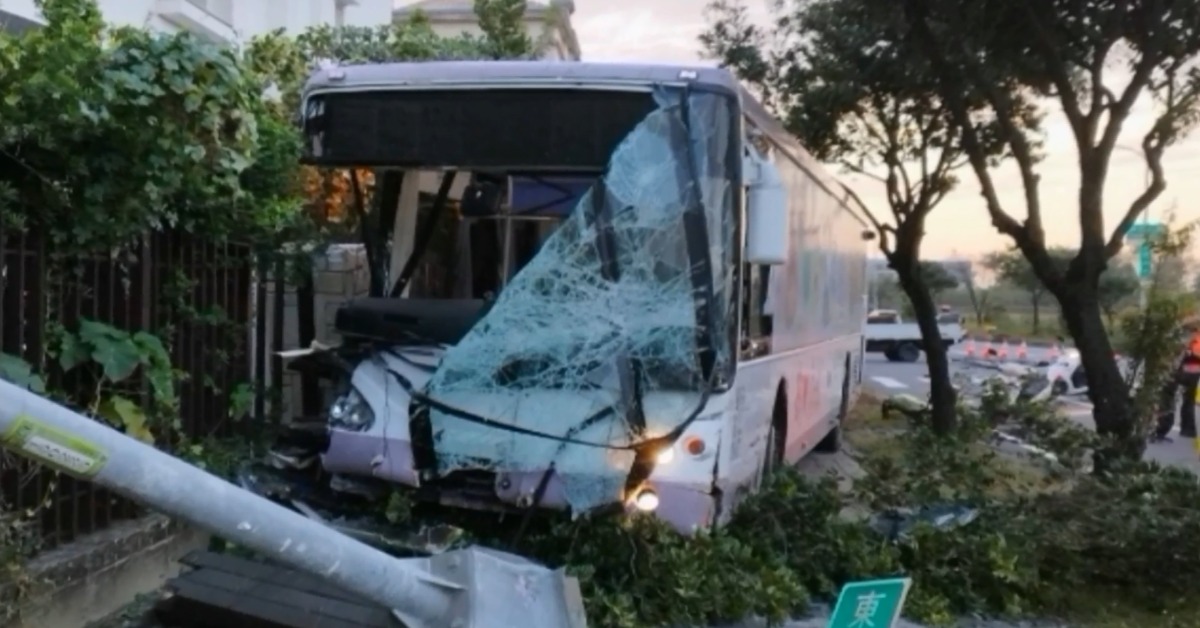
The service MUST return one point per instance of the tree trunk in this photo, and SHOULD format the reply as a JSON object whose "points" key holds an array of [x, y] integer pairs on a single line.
{"points": [[1107, 390], [943, 399]]}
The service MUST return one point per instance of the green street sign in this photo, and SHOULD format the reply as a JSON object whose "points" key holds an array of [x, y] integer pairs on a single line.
{"points": [[870, 603], [1144, 260], [1144, 230]]}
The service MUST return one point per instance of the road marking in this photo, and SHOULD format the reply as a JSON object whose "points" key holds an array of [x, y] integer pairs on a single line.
{"points": [[889, 382]]}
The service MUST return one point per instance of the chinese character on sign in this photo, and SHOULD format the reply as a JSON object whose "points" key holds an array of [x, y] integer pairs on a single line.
{"points": [[866, 608], [870, 604]]}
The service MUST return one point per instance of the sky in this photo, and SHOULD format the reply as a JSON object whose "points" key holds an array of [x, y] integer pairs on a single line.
{"points": [[668, 30]]}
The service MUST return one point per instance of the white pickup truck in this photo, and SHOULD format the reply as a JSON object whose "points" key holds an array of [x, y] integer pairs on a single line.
{"points": [[899, 341]]}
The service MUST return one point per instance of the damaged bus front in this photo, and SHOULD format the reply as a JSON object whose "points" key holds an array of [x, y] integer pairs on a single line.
{"points": [[561, 329]]}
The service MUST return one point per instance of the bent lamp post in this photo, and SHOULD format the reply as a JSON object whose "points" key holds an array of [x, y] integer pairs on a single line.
{"points": [[469, 588]]}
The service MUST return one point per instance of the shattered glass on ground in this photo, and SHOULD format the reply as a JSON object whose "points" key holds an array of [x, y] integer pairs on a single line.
{"points": [[604, 315]]}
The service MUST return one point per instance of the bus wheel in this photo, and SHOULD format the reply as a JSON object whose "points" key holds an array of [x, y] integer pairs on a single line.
{"points": [[776, 440], [832, 443]]}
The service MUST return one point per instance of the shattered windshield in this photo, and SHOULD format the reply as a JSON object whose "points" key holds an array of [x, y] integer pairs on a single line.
{"points": [[628, 298]]}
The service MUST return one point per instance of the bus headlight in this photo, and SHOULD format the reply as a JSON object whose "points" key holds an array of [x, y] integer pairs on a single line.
{"points": [[665, 455], [351, 411], [646, 500]]}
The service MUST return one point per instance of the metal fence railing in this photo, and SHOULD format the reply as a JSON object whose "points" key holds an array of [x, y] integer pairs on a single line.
{"points": [[169, 274]]}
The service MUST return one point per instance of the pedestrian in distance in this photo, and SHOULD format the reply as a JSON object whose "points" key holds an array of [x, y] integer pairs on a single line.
{"points": [[1189, 378], [1185, 380]]}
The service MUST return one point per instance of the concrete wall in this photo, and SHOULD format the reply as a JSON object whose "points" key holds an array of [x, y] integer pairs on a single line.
{"points": [[101, 573]]}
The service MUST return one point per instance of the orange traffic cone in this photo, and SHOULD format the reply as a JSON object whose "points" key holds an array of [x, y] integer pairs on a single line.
{"points": [[1054, 351], [1003, 352], [970, 347], [1022, 351]]}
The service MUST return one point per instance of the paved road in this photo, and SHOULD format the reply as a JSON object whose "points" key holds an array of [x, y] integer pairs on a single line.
{"points": [[889, 378]]}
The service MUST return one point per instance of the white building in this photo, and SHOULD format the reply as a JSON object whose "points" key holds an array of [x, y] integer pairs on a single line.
{"points": [[547, 23], [219, 20]]}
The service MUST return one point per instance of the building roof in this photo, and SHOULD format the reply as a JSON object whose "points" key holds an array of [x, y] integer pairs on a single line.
{"points": [[560, 11], [12, 23]]}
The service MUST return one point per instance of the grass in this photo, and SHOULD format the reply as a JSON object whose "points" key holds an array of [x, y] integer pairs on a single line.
{"points": [[870, 434]]}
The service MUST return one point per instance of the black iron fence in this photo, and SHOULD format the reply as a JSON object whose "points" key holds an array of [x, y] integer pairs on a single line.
{"points": [[198, 296]]}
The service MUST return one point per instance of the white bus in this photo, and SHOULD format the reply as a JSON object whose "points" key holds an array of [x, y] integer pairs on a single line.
{"points": [[612, 287]]}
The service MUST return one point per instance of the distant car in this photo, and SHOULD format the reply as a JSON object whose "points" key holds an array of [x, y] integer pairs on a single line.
{"points": [[887, 333], [883, 317], [950, 318]]}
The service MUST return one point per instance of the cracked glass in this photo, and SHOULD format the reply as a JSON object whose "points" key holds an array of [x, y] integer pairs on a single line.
{"points": [[604, 320]]}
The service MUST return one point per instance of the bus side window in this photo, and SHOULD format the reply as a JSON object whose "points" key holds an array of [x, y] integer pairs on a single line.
{"points": [[756, 324]]}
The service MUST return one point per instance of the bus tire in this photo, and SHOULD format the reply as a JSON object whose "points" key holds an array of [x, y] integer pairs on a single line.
{"points": [[832, 443]]}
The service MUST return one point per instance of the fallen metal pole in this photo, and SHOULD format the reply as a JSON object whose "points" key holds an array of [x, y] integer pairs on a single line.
{"points": [[59, 437]]}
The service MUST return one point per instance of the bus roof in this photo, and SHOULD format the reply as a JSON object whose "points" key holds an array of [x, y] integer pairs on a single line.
{"points": [[435, 72]]}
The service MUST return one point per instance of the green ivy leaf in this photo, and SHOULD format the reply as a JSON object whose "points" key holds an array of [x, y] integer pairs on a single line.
{"points": [[240, 400], [111, 348], [128, 415], [20, 373], [157, 365], [71, 352]]}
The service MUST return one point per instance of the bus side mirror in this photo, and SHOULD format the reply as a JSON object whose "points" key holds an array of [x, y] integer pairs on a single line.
{"points": [[768, 224]]}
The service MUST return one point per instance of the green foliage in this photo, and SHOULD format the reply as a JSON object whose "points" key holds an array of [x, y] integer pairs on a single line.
{"points": [[502, 22], [638, 572], [826, 551], [19, 540], [1117, 284], [1011, 267], [285, 62], [19, 372], [1154, 338], [937, 278], [110, 133], [114, 357], [1036, 544]]}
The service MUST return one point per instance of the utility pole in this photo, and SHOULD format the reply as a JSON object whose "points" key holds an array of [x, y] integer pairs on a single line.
{"points": [[471, 588]]}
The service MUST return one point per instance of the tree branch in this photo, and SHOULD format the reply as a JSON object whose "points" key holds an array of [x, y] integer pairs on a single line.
{"points": [[1154, 145], [1061, 77], [881, 228], [1119, 111], [1005, 110], [856, 169], [972, 144]]}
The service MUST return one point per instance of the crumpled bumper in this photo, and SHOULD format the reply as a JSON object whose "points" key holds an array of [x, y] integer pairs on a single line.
{"points": [[685, 507]]}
